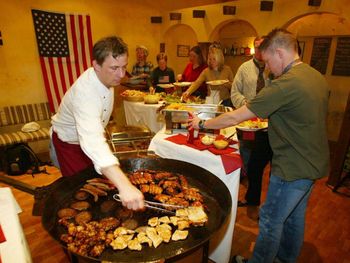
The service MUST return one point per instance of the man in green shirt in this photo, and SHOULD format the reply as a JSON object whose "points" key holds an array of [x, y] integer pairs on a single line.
{"points": [[296, 105]]}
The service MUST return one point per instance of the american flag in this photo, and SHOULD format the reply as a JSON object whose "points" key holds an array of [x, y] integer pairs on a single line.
{"points": [[65, 45]]}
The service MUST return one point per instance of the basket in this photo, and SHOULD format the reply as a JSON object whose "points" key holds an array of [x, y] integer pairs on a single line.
{"points": [[133, 98]]}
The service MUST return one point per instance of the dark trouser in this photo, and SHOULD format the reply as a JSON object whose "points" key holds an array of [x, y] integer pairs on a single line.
{"points": [[256, 154]]}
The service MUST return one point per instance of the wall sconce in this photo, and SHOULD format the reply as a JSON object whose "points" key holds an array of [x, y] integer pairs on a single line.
{"points": [[1, 43]]}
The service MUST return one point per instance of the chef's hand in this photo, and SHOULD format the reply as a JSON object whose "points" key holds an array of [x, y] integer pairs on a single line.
{"points": [[193, 121], [131, 197]]}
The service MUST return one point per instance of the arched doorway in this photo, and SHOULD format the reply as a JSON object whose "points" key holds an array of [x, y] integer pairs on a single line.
{"points": [[233, 36], [178, 35]]}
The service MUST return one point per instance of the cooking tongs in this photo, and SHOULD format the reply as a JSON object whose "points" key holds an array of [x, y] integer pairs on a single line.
{"points": [[165, 208]]}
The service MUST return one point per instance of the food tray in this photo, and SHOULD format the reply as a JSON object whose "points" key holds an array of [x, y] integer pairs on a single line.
{"points": [[133, 98], [127, 132], [175, 118]]}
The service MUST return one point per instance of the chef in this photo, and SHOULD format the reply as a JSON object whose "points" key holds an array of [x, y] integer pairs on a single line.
{"points": [[77, 133]]}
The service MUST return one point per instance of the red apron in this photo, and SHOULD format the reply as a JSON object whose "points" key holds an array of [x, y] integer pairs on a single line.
{"points": [[71, 157]]}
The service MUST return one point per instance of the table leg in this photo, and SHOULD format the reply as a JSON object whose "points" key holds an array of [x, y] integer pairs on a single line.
{"points": [[205, 256]]}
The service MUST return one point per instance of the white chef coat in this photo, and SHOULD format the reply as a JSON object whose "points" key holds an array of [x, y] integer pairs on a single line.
{"points": [[82, 116]]}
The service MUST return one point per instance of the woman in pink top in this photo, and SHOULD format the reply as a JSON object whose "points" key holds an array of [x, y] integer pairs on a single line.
{"points": [[194, 68]]}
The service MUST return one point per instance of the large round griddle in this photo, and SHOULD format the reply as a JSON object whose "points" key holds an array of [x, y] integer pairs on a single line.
{"points": [[216, 197]]}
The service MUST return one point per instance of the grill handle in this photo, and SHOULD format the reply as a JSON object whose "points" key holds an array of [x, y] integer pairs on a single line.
{"points": [[18, 184]]}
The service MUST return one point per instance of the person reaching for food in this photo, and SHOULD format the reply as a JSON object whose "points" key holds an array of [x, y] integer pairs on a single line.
{"points": [[217, 92]]}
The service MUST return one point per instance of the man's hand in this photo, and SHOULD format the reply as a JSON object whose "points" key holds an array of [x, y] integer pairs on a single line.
{"points": [[130, 196], [193, 121]]}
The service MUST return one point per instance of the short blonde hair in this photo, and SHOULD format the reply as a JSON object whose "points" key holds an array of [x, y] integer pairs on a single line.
{"points": [[145, 50], [218, 54]]}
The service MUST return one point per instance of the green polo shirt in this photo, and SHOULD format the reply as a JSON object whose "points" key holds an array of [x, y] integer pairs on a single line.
{"points": [[296, 106]]}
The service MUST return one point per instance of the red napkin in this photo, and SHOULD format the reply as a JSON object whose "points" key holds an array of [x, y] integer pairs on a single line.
{"points": [[216, 151], [182, 140], [231, 162], [2, 235], [178, 139]]}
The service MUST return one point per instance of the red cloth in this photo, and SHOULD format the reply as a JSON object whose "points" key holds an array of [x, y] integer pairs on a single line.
{"points": [[248, 135], [230, 160], [182, 140], [71, 157], [2, 235]]}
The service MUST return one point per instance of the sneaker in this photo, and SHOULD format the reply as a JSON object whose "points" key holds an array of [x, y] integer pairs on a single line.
{"points": [[239, 259]]}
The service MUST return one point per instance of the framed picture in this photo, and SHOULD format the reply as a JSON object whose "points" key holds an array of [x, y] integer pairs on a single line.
{"points": [[183, 50]]}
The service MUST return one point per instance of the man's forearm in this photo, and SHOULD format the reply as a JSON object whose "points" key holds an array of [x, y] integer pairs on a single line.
{"points": [[116, 176], [230, 118]]}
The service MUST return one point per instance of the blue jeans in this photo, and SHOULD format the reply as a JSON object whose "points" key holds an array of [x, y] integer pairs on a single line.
{"points": [[282, 219]]}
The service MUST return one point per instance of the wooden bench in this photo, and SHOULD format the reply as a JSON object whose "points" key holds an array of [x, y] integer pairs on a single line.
{"points": [[12, 118]]}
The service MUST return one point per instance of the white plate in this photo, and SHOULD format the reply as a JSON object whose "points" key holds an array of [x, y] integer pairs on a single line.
{"points": [[165, 86], [245, 128], [217, 82], [135, 77], [182, 84]]}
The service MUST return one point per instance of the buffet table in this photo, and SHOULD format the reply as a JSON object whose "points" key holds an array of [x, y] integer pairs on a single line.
{"points": [[15, 248], [220, 245], [139, 113]]}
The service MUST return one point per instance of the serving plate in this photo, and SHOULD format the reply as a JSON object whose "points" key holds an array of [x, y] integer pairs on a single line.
{"points": [[165, 86], [217, 82], [252, 125], [182, 84]]}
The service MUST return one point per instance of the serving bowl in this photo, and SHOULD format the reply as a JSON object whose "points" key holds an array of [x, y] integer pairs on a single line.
{"points": [[151, 98], [220, 144]]}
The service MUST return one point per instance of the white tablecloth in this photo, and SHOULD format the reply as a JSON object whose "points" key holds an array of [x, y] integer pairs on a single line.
{"points": [[139, 113], [15, 248], [220, 244]]}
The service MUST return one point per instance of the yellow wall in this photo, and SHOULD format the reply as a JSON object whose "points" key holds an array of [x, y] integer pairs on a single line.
{"points": [[20, 74]]}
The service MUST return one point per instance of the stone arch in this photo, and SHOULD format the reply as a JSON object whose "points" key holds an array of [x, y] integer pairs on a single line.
{"points": [[318, 23], [222, 27], [179, 34], [234, 34]]}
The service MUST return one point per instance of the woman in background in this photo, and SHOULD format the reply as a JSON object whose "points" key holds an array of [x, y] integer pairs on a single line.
{"points": [[162, 74], [217, 92], [142, 68], [194, 68]]}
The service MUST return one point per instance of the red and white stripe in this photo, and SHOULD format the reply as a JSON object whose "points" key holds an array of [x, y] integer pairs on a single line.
{"points": [[60, 72]]}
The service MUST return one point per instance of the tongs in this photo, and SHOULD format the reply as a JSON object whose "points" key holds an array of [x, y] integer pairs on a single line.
{"points": [[165, 208]]}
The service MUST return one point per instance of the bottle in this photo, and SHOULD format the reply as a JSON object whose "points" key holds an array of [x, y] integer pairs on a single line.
{"points": [[232, 51]]}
